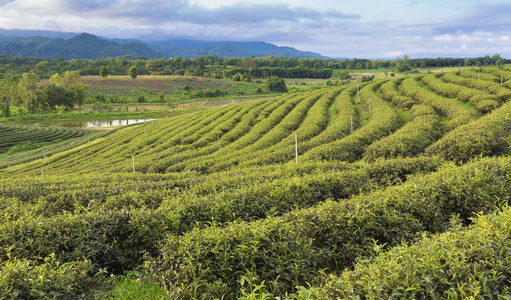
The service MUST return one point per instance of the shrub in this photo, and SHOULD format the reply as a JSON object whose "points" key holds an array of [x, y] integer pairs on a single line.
{"points": [[486, 106], [288, 251], [464, 263], [487, 136], [47, 279]]}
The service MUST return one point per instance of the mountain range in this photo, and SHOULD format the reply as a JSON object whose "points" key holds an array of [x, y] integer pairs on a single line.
{"points": [[53, 44]]}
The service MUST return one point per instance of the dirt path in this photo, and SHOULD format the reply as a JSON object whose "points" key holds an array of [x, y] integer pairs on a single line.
{"points": [[226, 88]]}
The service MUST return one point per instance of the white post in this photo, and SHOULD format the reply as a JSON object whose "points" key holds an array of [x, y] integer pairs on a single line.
{"points": [[296, 147], [42, 171], [133, 159], [182, 137]]}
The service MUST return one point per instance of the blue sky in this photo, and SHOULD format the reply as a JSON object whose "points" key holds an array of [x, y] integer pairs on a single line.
{"points": [[362, 28]]}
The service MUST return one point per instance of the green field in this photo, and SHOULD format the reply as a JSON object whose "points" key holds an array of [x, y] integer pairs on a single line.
{"points": [[124, 89], [396, 188]]}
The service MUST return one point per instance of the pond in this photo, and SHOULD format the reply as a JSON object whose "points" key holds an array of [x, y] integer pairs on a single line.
{"points": [[87, 123]]}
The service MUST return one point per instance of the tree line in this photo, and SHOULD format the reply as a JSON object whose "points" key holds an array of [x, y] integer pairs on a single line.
{"points": [[60, 93], [224, 68]]}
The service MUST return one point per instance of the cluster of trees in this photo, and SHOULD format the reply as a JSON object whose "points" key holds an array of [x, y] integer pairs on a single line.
{"points": [[32, 96], [133, 72], [217, 67]]}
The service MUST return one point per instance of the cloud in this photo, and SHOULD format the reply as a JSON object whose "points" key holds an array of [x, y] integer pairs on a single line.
{"points": [[4, 2], [155, 12], [483, 17], [327, 27]]}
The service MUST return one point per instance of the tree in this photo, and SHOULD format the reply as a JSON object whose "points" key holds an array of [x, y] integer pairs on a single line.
{"points": [[76, 92], [103, 71], [56, 95], [28, 90], [276, 84], [133, 72]]}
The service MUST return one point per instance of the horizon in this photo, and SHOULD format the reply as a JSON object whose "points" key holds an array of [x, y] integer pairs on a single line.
{"points": [[366, 29]]}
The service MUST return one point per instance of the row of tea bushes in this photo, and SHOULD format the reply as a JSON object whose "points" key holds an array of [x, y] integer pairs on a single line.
{"points": [[288, 251], [383, 120], [11, 135], [464, 93], [314, 123], [423, 129], [457, 113], [115, 231], [28, 156], [48, 279], [503, 94], [488, 136], [463, 263], [390, 92]]}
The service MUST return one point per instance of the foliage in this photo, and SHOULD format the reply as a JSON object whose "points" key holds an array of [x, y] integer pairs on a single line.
{"points": [[213, 204], [133, 72], [290, 249], [463, 263], [276, 84], [487, 136], [12, 135], [47, 278], [103, 71]]}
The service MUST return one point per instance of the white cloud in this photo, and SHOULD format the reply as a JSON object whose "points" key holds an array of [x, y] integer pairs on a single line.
{"points": [[365, 28]]}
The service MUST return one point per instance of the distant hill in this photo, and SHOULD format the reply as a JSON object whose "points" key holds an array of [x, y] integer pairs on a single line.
{"points": [[193, 49], [82, 46], [87, 46]]}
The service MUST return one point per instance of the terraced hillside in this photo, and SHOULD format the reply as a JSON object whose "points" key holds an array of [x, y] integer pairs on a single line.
{"points": [[268, 196], [11, 135]]}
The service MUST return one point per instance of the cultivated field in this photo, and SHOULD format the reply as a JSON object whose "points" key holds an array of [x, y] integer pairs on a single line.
{"points": [[396, 188], [124, 89]]}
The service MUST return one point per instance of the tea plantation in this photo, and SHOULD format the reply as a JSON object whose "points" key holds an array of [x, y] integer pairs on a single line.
{"points": [[390, 189]]}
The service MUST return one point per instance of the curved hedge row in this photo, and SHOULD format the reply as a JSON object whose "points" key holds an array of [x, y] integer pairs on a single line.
{"points": [[289, 250], [463, 263], [423, 129], [466, 94], [11, 135], [456, 112], [503, 94], [314, 124], [383, 120], [114, 229], [389, 92], [488, 136]]}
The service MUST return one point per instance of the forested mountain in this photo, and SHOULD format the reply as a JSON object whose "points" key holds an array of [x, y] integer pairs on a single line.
{"points": [[88, 46]]}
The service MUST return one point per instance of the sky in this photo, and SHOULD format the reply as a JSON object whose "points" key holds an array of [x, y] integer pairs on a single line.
{"points": [[334, 28]]}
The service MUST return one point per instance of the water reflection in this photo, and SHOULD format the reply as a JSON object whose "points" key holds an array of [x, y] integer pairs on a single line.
{"points": [[87, 123], [91, 124]]}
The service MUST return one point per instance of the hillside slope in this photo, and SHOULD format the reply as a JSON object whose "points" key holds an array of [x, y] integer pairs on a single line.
{"points": [[216, 204]]}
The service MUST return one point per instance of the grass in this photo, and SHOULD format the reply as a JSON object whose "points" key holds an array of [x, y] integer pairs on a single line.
{"points": [[27, 147], [123, 89], [130, 287]]}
